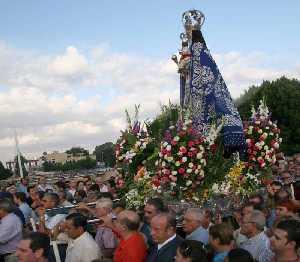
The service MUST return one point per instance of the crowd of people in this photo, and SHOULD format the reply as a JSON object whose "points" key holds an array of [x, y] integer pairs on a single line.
{"points": [[56, 222]]}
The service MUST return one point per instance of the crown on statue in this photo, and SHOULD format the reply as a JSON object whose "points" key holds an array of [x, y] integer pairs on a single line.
{"points": [[192, 20]]}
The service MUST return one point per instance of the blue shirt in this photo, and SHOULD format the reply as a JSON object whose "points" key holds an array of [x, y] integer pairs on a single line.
{"points": [[219, 257], [200, 234]]}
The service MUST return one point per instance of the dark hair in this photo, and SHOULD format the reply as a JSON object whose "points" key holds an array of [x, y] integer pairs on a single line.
{"points": [[21, 196], [94, 187], [7, 205], [194, 250], [78, 220], [238, 255], [81, 193], [223, 232], [106, 195], [231, 220], [276, 183], [292, 227], [157, 203], [281, 195], [39, 241]]}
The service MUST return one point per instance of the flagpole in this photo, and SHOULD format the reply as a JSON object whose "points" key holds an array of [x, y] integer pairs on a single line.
{"points": [[18, 155]]}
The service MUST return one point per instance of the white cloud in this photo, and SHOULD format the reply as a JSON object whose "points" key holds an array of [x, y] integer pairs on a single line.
{"points": [[74, 98]]}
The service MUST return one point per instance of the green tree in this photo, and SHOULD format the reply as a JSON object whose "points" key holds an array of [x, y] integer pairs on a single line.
{"points": [[4, 172], [106, 153], [76, 151], [283, 99]]}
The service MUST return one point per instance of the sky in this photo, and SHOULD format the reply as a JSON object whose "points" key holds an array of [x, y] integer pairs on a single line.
{"points": [[69, 69]]}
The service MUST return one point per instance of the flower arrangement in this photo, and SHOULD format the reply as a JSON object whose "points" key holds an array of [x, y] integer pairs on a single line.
{"points": [[263, 141], [181, 163], [139, 191]]}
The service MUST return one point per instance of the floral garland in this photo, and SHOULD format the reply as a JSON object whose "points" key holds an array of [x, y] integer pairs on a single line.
{"points": [[263, 140]]}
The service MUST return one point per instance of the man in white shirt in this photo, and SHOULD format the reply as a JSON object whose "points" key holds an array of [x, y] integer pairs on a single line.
{"points": [[46, 222], [82, 246], [257, 244]]}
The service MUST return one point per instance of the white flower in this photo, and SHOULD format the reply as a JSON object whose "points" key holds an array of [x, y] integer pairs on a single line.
{"points": [[169, 147], [138, 143], [189, 182], [165, 144], [163, 164], [174, 173], [184, 159], [176, 138], [189, 170], [171, 127], [266, 148], [199, 155], [191, 165], [170, 159]]}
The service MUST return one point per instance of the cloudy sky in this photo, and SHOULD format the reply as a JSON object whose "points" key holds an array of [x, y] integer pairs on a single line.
{"points": [[69, 69]]}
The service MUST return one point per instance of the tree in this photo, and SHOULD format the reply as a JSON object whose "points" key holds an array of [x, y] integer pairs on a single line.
{"points": [[106, 153], [76, 151], [4, 172], [23, 161], [282, 97]]}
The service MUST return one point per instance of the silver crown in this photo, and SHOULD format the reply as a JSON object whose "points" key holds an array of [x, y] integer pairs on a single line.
{"points": [[192, 20]]}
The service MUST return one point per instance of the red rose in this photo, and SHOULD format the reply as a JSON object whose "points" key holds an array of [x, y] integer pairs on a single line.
{"points": [[191, 143], [173, 143], [183, 150], [190, 154], [181, 170], [213, 148]]}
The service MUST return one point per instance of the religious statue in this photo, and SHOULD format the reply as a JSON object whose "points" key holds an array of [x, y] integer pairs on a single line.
{"points": [[203, 91]]}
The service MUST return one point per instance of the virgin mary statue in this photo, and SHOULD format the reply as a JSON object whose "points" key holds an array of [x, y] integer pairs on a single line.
{"points": [[203, 91]]}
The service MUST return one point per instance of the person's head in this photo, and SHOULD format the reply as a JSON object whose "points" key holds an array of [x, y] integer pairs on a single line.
{"points": [[118, 207], [94, 187], [75, 225], [42, 181], [220, 235], [24, 181], [253, 223], [19, 198], [103, 207], [163, 226], [191, 251], [207, 218], [286, 207], [80, 195], [62, 195], [72, 184], [286, 178], [231, 221], [80, 185], [50, 200], [247, 209], [127, 222], [239, 255], [275, 186], [286, 237], [99, 181], [6, 207], [34, 247], [192, 219], [33, 193], [152, 208], [256, 199], [281, 195]]}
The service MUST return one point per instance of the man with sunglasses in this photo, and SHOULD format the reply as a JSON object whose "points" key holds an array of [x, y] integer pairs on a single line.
{"points": [[286, 241]]}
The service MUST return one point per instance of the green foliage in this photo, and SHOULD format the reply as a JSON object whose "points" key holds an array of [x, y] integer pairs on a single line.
{"points": [[87, 163], [77, 151], [4, 173], [106, 153], [282, 97], [169, 116]]}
